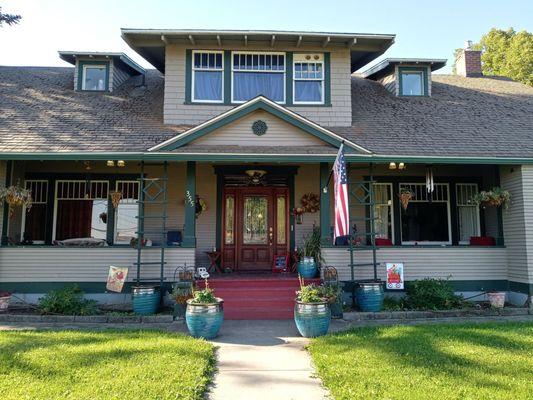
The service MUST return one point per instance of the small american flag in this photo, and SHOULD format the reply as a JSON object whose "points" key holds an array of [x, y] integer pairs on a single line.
{"points": [[342, 218]]}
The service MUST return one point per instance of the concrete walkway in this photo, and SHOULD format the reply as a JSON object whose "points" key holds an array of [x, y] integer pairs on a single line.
{"points": [[263, 360]]}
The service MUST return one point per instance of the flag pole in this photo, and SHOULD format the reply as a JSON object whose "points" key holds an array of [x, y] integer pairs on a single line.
{"points": [[325, 188]]}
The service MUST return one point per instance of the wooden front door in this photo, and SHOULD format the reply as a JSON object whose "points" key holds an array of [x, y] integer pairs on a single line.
{"points": [[254, 227]]}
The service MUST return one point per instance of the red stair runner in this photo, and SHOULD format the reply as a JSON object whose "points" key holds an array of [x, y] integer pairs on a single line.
{"points": [[257, 297]]}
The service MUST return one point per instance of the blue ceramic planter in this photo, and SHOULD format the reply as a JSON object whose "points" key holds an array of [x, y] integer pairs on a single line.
{"points": [[145, 299], [307, 269], [312, 319], [204, 320], [370, 296]]}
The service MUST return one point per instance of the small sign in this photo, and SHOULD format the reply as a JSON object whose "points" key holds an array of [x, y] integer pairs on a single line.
{"points": [[280, 263], [395, 276], [116, 278]]}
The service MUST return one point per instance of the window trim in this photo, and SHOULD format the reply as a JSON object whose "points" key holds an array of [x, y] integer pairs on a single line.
{"points": [[411, 70], [193, 70], [23, 219], [457, 206], [285, 70], [391, 206], [323, 81], [448, 208], [82, 65]]}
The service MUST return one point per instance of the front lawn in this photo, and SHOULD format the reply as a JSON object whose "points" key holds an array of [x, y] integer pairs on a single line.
{"points": [[103, 365], [470, 361]]}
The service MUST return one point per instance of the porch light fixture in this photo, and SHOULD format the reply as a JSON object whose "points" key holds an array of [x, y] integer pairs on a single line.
{"points": [[110, 163], [392, 165], [401, 165], [121, 163], [255, 176]]}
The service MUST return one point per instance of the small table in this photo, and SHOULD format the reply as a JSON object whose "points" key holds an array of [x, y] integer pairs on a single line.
{"points": [[213, 261]]}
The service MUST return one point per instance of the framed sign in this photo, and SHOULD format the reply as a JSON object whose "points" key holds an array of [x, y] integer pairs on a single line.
{"points": [[395, 276], [116, 278], [281, 262]]}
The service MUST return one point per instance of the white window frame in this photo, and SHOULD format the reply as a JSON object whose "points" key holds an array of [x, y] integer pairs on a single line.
{"points": [[83, 72], [193, 73], [56, 199], [24, 209], [294, 79], [116, 209], [284, 71], [422, 81], [391, 205], [477, 214], [425, 242]]}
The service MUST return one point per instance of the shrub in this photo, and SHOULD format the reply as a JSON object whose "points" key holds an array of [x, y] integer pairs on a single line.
{"points": [[431, 294], [69, 301], [205, 296], [393, 304]]}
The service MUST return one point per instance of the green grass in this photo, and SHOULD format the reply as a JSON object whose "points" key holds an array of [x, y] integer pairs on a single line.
{"points": [[103, 365], [470, 361]]}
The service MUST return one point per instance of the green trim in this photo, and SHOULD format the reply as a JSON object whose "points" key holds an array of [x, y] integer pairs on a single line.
{"points": [[289, 100], [189, 235], [460, 286], [220, 188], [425, 82], [521, 287], [227, 77], [325, 223], [248, 109], [188, 75], [44, 287], [81, 64], [5, 207], [327, 79]]}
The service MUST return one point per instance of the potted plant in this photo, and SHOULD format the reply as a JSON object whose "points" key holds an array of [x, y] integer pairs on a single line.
{"points": [[204, 313], [495, 197], [5, 297], [496, 299], [16, 196], [180, 294], [310, 255], [312, 314]]}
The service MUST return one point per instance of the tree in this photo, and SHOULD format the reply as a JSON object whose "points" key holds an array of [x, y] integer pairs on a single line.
{"points": [[506, 53], [9, 19]]}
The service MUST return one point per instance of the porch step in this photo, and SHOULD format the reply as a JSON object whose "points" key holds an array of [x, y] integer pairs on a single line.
{"points": [[256, 298]]}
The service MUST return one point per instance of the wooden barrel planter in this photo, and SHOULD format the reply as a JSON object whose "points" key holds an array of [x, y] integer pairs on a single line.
{"points": [[307, 268], [204, 320], [312, 319], [369, 296], [145, 299]]}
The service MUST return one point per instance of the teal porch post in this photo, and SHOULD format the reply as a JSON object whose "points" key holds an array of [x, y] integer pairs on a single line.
{"points": [[325, 224], [189, 234]]}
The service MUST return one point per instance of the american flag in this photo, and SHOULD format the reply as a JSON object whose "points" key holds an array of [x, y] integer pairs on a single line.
{"points": [[342, 218]]}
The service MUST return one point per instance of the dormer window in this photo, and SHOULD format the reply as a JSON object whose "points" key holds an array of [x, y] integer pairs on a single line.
{"points": [[412, 82], [308, 79], [207, 76], [94, 77]]}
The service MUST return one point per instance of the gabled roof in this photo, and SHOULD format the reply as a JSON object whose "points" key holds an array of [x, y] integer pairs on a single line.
{"points": [[150, 43], [386, 66], [257, 103], [120, 58]]}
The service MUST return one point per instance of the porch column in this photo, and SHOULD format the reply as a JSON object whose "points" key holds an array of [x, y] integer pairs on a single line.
{"points": [[189, 234], [6, 168], [325, 224], [518, 230]]}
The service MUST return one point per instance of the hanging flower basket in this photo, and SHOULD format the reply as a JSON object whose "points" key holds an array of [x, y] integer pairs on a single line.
{"points": [[115, 196], [495, 197], [16, 196], [298, 213], [405, 196]]}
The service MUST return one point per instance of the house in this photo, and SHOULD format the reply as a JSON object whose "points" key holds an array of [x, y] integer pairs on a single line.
{"points": [[231, 130]]}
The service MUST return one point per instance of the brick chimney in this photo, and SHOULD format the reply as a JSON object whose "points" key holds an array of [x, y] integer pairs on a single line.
{"points": [[468, 62]]}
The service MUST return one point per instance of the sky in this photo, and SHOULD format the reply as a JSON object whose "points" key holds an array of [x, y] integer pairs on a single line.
{"points": [[424, 29]]}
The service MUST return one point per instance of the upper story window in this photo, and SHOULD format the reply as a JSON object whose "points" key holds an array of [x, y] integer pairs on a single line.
{"points": [[308, 79], [208, 76], [94, 77], [412, 82], [257, 73]]}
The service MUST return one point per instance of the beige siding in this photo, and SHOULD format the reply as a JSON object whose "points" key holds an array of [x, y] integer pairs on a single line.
{"points": [[117, 76], [279, 133], [458, 263], [60, 264], [306, 181], [389, 82], [176, 112], [518, 222], [206, 187]]}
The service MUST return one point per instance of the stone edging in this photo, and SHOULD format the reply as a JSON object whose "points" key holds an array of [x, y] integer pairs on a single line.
{"points": [[114, 319], [364, 316]]}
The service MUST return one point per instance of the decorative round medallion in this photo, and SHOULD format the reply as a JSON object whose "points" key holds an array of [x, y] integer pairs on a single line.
{"points": [[259, 127]]}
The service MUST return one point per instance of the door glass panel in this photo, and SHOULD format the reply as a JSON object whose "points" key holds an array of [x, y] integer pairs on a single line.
{"points": [[255, 220], [229, 235], [280, 220]]}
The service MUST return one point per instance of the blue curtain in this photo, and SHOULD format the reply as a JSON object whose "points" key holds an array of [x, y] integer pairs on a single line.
{"points": [[208, 85], [247, 85], [308, 91]]}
